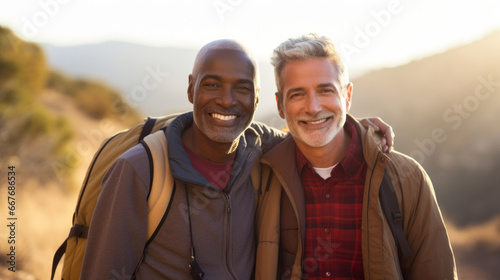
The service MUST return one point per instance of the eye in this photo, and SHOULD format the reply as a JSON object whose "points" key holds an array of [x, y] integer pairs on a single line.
{"points": [[295, 95], [211, 85], [245, 88], [326, 90]]}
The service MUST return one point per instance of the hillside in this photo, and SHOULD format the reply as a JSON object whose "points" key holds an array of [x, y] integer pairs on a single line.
{"points": [[444, 112], [31, 132], [50, 127], [45, 210]]}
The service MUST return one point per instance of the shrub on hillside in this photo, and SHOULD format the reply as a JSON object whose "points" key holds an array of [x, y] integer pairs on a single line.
{"points": [[95, 99]]}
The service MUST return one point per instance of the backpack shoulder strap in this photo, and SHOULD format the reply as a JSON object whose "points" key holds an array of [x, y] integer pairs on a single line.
{"points": [[147, 128], [390, 206], [162, 182], [162, 187]]}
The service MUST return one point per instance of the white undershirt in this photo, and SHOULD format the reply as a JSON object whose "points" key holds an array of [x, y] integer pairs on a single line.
{"points": [[325, 172]]}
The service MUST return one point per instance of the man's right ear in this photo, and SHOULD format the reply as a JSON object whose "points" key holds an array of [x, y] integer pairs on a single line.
{"points": [[190, 88], [279, 103]]}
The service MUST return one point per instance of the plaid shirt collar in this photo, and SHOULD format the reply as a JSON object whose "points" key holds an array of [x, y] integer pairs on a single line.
{"points": [[349, 165]]}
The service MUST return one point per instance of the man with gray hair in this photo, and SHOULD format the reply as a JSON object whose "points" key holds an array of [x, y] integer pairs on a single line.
{"points": [[320, 214]]}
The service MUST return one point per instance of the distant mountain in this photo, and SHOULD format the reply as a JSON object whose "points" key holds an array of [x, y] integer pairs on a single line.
{"points": [[154, 79], [445, 112]]}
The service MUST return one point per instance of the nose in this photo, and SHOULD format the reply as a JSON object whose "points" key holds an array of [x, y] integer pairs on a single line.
{"points": [[313, 104], [227, 97]]}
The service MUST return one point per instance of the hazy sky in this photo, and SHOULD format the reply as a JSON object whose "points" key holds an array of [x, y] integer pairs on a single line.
{"points": [[370, 33]]}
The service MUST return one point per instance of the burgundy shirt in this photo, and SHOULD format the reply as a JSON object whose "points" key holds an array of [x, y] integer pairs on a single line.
{"points": [[332, 246], [217, 174]]}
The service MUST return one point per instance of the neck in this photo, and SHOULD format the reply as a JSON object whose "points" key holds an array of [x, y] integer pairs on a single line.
{"points": [[210, 150], [328, 155]]}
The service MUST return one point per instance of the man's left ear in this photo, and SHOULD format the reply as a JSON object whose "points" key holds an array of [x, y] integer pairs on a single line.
{"points": [[190, 88], [348, 96], [256, 98]]}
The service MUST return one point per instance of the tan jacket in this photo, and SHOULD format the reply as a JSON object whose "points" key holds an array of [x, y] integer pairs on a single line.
{"points": [[281, 237]]}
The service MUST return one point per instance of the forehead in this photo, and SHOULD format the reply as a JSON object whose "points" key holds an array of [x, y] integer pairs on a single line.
{"points": [[227, 63], [309, 72]]}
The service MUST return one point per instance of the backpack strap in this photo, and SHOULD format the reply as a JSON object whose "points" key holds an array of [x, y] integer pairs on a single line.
{"points": [[77, 230], [162, 182], [147, 128], [162, 187], [390, 206], [57, 257]]}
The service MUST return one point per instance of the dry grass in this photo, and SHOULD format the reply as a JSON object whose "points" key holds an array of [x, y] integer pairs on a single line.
{"points": [[44, 219], [477, 250], [487, 234]]}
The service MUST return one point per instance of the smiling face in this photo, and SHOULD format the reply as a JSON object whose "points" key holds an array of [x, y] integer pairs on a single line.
{"points": [[224, 95], [313, 101]]}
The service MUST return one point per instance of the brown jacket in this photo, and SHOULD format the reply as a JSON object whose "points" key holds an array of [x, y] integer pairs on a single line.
{"points": [[280, 237]]}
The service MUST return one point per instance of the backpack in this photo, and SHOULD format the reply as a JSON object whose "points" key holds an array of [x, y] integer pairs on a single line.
{"points": [[159, 198], [74, 245]]}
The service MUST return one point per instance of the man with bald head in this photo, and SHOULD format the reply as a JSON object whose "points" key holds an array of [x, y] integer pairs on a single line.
{"points": [[211, 154]]}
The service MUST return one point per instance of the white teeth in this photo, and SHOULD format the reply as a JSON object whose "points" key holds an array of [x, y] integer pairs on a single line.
{"points": [[223, 117], [316, 122]]}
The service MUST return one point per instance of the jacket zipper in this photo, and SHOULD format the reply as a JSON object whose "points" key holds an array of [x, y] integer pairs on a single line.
{"points": [[228, 203], [228, 229], [228, 235]]}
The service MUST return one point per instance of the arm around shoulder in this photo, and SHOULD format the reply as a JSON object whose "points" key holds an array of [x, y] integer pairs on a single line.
{"points": [[269, 136]]}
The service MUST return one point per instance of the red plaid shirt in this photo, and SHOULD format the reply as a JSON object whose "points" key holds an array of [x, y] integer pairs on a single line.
{"points": [[332, 246]]}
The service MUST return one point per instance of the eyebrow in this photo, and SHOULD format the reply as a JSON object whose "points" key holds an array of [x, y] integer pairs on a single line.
{"points": [[245, 81], [292, 90], [327, 85], [215, 77], [218, 78]]}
